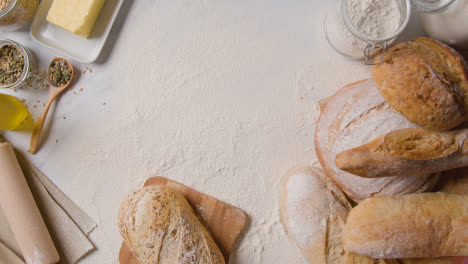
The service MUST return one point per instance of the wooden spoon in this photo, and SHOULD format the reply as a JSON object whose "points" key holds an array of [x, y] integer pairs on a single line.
{"points": [[53, 93]]}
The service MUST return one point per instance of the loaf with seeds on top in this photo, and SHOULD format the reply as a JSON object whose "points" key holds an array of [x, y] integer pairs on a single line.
{"points": [[159, 226]]}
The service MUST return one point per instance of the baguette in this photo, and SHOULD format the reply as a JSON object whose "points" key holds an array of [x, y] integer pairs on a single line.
{"points": [[313, 211], [407, 152], [409, 226], [159, 226], [356, 114]]}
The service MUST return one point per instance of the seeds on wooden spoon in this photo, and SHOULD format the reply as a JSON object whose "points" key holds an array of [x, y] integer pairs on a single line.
{"points": [[59, 73]]}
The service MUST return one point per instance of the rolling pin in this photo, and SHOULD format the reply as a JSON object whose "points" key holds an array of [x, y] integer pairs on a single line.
{"points": [[22, 213]]}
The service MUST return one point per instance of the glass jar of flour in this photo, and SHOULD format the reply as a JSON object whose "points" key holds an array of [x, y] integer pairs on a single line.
{"points": [[361, 29], [445, 20]]}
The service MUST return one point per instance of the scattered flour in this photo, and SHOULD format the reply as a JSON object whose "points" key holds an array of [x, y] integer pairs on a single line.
{"points": [[194, 93], [301, 189]]}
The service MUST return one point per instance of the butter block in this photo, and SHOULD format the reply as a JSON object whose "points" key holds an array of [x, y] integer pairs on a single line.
{"points": [[77, 16]]}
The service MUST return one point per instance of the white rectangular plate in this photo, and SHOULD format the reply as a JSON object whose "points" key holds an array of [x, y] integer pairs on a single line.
{"points": [[82, 49]]}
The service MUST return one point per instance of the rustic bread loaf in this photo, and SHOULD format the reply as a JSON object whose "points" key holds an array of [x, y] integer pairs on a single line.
{"points": [[456, 182], [355, 115], [409, 226], [313, 211], [159, 226], [407, 152], [426, 81]]}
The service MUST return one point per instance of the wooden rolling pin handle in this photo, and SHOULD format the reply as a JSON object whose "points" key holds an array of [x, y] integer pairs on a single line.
{"points": [[22, 213]]}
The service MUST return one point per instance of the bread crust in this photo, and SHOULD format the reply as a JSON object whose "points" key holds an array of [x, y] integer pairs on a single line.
{"points": [[407, 152], [314, 210], [159, 226], [409, 226], [441, 260], [454, 181], [355, 115], [426, 81]]}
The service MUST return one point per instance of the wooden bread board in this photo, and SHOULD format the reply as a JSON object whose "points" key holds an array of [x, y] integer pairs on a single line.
{"points": [[223, 221]]}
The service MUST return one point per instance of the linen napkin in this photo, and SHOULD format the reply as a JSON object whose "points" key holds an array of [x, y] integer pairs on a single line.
{"points": [[67, 223], [8, 257]]}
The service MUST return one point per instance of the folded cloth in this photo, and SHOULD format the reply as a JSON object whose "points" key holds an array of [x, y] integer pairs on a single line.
{"points": [[8, 257], [66, 222], [81, 219]]}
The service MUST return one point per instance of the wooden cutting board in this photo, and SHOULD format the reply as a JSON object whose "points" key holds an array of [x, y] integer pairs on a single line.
{"points": [[224, 222]]}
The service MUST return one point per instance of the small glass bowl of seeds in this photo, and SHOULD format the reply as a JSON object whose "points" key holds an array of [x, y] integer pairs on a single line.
{"points": [[17, 66], [14, 14]]}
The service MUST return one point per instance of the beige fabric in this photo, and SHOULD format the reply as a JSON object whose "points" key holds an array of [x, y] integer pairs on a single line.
{"points": [[67, 223], [81, 219], [8, 257], [22, 212]]}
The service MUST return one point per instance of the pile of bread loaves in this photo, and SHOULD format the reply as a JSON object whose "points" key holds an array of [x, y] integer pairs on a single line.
{"points": [[389, 190]]}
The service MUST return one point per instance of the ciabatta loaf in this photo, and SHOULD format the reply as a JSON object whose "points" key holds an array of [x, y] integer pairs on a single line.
{"points": [[159, 226], [355, 115], [407, 152], [426, 81], [314, 210], [409, 226]]}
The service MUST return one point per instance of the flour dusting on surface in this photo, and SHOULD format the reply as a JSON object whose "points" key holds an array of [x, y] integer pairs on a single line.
{"points": [[219, 96]]}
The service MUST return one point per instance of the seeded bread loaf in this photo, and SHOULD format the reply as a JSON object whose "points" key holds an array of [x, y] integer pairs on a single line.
{"points": [[355, 115], [407, 152], [409, 226], [159, 226], [426, 81], [313, 211]]}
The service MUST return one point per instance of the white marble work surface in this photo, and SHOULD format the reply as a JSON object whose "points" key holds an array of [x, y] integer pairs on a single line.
{"points": [[219, 95]]}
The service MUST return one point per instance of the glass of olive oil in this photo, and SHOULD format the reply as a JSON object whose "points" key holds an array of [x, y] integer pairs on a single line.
{"points": [[13, 114]]}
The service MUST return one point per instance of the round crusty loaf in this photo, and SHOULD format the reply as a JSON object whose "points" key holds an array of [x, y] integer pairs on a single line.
{"points": [[426, 81], [159, 226], [355, 115], [314, 210]]}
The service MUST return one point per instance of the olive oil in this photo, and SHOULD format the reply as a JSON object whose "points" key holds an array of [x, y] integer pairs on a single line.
{"points": [[13, 114]]}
